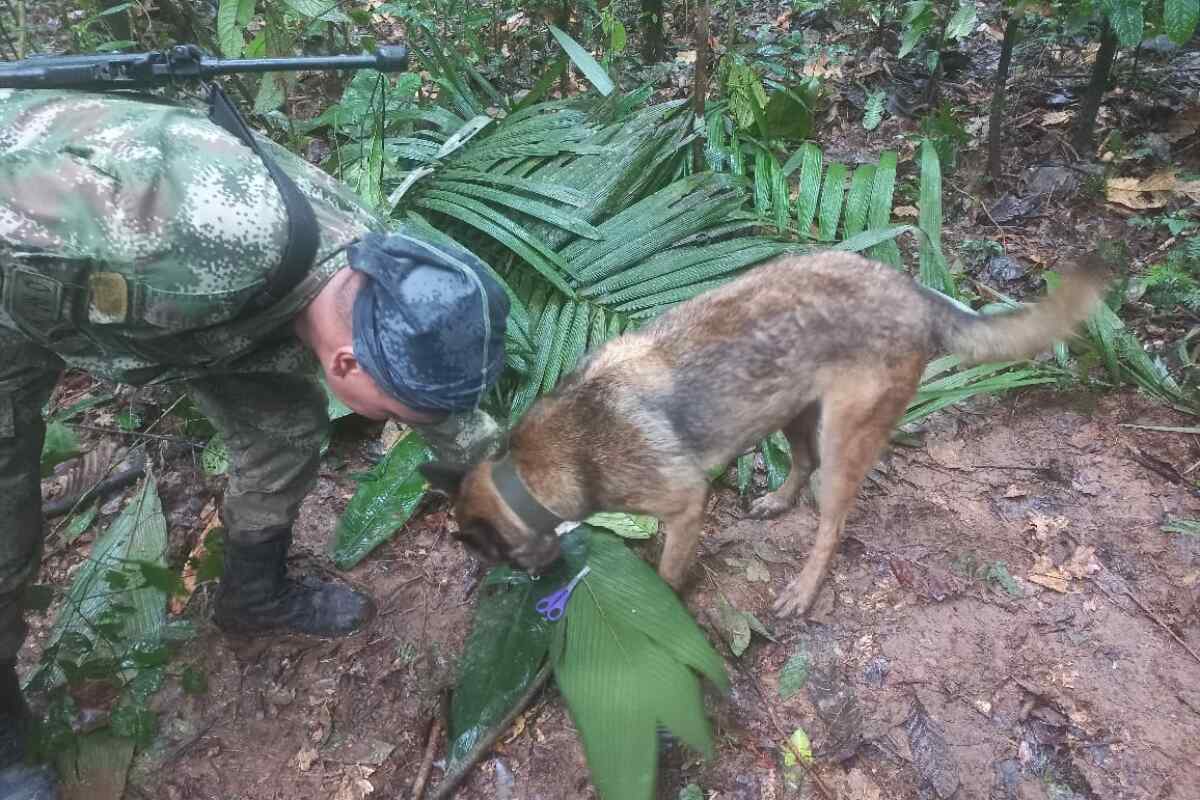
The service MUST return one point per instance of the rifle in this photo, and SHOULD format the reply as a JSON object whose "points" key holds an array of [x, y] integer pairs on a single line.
{"points": [[178, 63]]}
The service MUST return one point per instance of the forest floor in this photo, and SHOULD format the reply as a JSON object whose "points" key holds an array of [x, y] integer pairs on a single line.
{"points": [[1006, 611]]}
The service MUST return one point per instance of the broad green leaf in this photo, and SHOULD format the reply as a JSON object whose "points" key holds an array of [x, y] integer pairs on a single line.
{"points": [[1179, 19], [934, 272], [810, 188], [858, 199], [508, 642], [880, 214], [584, 60], [386, 497], [794, 674], [80, 522], [1187, 527], [232, 18], [873, 113], [624, 664], [627, 526], [60, 444], [833, 192], [214, 459], [318, 9], [963, 21], [777, 457], [735, 625], [1126, 19], [107, 624], [763, 163], [788, 116], [872, 238], [915, 27]]}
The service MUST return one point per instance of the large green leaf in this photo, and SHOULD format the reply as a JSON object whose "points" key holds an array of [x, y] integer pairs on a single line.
{"points": [[111, 622], [232, 18], [1179, 19], [624, 663], [963, 21], [1126, 18], [60, 444], [588, 65], [509, 640], [934, 272], [386, 497]]}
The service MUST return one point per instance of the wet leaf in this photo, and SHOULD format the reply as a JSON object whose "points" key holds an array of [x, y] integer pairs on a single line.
{"points": [[215, 458], [80, 523], [194, 681], [584, 60], [794, 674], [998, 572], [735, 626], [503, 653], [627, 526], [932, 758], [387, 496], [798, 749], [838, 707], [1187, 527], [139, 534], [61, 444], [691, 792], [628, 660]]}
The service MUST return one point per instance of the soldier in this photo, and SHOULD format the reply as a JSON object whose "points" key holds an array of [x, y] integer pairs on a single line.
{"points": [[143, 243]]}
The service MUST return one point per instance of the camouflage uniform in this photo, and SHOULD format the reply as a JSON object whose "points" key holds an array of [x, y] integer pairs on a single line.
{"points": [[134, 240]]}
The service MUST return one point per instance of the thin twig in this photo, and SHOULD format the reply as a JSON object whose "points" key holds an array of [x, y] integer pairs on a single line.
{"points": [[453, 778], [1157, 619], [165, 437], [435, 730]]}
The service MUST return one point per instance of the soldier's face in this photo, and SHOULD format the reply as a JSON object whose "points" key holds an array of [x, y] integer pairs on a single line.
{"points": [[362, 395]]}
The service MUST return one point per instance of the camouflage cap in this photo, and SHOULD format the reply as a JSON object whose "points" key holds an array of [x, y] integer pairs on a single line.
{"points": [[429, 322]]}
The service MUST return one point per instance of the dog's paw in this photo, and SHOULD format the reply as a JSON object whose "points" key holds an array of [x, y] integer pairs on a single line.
{"points": [[797, 598], [769, 506]]}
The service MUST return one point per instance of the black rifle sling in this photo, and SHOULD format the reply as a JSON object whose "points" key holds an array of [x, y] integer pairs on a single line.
{"points": [[303, 236]]}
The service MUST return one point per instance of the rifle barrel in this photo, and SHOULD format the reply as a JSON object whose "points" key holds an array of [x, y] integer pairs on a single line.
{"points": [[385, 59]]}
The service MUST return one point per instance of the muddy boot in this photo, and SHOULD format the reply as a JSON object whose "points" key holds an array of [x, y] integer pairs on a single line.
{"points": [[255, 595], [19, 780]]}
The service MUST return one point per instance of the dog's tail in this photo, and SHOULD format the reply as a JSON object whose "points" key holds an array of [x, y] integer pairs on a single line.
{"points": [[1018, 333]]}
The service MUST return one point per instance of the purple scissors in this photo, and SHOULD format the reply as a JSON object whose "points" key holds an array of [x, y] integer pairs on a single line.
{"points": [[552, 606]]}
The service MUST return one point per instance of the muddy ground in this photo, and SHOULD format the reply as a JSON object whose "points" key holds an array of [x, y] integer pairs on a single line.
{"points": [[1006, 618], [1080, 687]]}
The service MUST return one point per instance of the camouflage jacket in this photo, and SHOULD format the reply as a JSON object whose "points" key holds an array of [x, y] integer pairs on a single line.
{"points": [[135, 234]]}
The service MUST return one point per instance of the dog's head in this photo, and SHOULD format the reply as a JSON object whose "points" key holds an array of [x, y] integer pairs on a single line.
{"points": [[486, 523]]}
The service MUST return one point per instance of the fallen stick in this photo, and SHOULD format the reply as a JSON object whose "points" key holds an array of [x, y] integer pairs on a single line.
{"points": [[435, 730], [64, 505], [1157, 619], [452, 779]]}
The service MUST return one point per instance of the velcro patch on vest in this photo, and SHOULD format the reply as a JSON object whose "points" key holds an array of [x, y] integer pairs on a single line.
{"points": [[109, 301], [36, 298]]}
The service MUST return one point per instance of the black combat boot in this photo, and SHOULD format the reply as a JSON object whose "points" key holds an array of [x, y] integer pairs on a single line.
{"points": [[255, 595], [19, 780]]}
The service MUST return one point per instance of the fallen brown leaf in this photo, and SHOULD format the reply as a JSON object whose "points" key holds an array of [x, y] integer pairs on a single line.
{"points": [[1057, 117], [1044, 573], [210, 518]]}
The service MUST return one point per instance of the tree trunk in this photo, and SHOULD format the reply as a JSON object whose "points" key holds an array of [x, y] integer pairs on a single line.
{"points": [[999, 92], [652, 31], [700, 81], [1085, 123]]}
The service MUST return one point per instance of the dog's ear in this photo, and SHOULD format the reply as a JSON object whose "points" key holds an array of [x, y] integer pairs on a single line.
{"points": [[444, 478]]}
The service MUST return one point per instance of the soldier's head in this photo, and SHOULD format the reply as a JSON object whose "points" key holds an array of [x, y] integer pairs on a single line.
{"points": [[422, 329]]}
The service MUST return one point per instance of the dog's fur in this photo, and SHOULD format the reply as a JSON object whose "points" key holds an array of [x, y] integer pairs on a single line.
{"points": [[829, 348]]}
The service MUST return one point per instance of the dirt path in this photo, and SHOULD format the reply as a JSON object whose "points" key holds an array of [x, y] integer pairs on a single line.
{"points": [[1049, 694]]}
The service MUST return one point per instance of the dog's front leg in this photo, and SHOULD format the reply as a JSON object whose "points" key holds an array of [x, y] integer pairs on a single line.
{"points": [[683, 530]]}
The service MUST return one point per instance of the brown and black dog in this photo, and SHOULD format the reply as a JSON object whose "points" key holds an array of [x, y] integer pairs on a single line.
{"points": [[829, 348]]}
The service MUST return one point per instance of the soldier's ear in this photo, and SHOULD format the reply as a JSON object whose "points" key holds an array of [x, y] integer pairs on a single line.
{"points": [[444, 478]]}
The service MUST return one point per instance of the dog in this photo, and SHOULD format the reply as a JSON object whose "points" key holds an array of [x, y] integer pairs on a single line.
{"points": [[828, 348]]}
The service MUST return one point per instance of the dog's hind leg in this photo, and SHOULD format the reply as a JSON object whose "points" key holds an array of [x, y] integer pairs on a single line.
{"points": [[856, 422], [801, 434], [683, 528]]}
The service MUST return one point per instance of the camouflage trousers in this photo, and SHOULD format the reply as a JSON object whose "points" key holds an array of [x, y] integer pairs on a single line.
{"points": [[273, 426]]}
